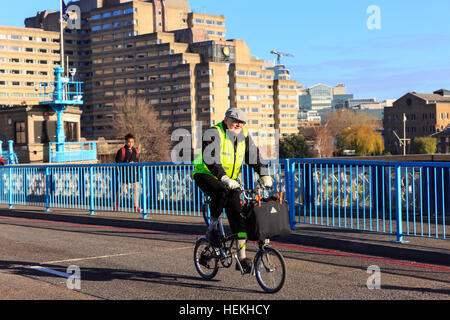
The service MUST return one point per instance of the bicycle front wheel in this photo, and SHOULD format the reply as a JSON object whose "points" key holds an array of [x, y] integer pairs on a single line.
{"points": [[270, 269], [205, 259]]}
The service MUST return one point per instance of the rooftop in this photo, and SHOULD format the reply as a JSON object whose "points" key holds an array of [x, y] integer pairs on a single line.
{"points": [[443, 133], [433, 98]]}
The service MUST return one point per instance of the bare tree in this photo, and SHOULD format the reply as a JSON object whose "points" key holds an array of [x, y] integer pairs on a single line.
{"points": [[136, 115], [323, 142]]}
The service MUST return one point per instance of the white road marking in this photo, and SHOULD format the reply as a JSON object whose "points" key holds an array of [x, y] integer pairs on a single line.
{"points": [[91, 258], [179, 248]]}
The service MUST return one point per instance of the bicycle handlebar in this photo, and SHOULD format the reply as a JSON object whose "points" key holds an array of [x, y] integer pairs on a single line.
{"points": [[248, 193]]}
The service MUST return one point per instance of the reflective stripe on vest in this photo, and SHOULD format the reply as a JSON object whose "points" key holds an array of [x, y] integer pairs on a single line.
{"points": [[230, 161]]}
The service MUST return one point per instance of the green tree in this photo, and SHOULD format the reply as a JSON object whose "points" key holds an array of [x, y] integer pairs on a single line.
{"points": [[294, 146], [362, 138], [424, 145]]}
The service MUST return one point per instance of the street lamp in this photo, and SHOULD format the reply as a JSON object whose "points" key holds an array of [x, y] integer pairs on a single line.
{"points": [[63, 92]]}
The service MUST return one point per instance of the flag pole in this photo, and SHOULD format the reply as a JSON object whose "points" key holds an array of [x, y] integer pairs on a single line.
{"points": [[61, 34]]}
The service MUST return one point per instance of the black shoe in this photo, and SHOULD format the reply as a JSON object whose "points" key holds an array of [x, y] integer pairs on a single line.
{"points": [[213, 237], [246, 264], [204, 259]]}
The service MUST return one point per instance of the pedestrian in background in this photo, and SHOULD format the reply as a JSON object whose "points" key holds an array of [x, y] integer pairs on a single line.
{"points": [[128, 174]]}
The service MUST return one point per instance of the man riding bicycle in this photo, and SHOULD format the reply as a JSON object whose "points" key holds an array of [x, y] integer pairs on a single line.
{"points": [[225, 147]]}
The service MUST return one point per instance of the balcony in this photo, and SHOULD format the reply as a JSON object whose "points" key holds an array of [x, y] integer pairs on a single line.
{"points": [[72, 151], [71, 93]]}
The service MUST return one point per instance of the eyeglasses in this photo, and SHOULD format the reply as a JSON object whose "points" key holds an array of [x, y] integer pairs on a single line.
{"points": [[239, 122]]}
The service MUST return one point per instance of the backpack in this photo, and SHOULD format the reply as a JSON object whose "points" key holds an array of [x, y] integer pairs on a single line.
{"points": [[123, 153]]}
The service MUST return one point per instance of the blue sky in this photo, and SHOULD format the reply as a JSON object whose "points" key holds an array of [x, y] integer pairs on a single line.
{"points": [[331, 41]]}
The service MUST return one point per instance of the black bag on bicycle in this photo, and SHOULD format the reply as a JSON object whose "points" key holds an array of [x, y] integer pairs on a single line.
{"points": [[267, 218]]}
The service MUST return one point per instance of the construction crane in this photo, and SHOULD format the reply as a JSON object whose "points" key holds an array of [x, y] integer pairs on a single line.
{"points": [[280, 54]]}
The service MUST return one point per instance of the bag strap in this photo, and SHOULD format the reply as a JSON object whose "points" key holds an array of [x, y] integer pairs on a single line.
{"points": [[123, 153]]}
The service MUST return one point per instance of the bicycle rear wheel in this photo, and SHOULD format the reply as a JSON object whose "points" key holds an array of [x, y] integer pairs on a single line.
{"points": [[270, 269], [205, 259]]}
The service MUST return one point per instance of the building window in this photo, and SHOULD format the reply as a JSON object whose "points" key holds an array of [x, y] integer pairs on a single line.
{"points": [[20, 132], [70, 130], [129, 10]]}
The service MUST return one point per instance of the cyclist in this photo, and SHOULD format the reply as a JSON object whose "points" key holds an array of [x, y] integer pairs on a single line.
{"points": [[225, 147]]}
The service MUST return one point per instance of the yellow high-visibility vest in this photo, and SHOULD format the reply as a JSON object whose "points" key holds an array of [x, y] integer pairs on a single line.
{"points": [[231, 161]]}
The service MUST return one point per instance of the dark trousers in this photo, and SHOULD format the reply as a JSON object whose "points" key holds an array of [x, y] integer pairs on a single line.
{"points": [[221, 198]]}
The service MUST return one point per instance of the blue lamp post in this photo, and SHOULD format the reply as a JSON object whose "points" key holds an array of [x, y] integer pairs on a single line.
{"points": [[59, 107], [59, 95]]}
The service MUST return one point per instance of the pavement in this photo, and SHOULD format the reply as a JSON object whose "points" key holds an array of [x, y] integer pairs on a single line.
{"points": [[418, 249]]}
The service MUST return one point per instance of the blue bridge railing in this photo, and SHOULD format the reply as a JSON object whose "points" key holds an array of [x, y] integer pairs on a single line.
{"points": [[72, 151], [398, 198]]}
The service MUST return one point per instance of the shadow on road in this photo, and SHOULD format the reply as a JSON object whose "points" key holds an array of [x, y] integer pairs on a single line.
{"points": [[106, 274]]}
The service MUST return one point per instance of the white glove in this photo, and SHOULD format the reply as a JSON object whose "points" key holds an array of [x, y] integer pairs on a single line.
{"points": [[267, 181], [230, 183]]}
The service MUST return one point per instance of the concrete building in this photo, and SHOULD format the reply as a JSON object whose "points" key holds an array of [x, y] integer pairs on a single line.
{"points": [[425, 114], [442, 140], [179, 60], [27, 58], [285, 101], [321, 97], [370, 106], [309, 118], [33, 127]]}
